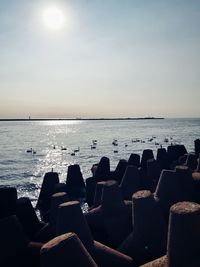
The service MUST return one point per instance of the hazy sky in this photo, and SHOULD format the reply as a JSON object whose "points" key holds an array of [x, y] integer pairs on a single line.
{"points": [[110, 58]]}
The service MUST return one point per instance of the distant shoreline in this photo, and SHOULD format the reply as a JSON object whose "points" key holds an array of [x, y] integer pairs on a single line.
{"points": [[82, 119]]}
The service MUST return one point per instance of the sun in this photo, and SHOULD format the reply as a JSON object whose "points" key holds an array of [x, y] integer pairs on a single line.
{"points": [[54, 18]]}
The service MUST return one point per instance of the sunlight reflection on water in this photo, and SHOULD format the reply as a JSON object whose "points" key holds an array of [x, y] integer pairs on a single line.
{"points": [[60, 122]]}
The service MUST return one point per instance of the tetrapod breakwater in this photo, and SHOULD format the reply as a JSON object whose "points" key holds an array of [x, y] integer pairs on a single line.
{"points": [[146, 212]]}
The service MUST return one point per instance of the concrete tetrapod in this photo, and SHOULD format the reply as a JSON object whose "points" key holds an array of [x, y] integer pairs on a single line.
{"points": [[183, 237], [56, 200], [49, 230], [196, 179], [134, 160], [110, 222], [153, 173], [185, 183], [146, 155], [15, 247], [65, 250], [148, 239], [191, 161], [27, 217], [98, 194], [175, 151], [197, 147], [8, 198], [47, 190], [198, 165], [90, 190], [130, 182], [173, 187], [75, 185], [101, 172], [119, 171], [162, 158], [71, 219]]}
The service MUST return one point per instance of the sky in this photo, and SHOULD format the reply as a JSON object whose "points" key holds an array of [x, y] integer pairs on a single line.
{"points": [[109, 58]]}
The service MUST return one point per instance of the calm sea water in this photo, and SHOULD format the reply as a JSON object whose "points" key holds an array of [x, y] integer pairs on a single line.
{"points": [[25, 170]]}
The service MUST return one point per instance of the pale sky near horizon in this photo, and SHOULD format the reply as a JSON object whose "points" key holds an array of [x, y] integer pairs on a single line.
{"points": [[110, 58]]}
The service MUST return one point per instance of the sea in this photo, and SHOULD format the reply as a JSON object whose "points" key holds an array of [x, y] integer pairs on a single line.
{"points": [[53, 144]]}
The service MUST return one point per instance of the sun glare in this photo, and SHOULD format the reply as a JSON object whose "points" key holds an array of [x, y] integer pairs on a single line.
{"points": [[54, 18]]}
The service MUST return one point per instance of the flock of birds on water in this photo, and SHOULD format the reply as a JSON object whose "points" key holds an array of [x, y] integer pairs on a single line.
{"points": [[114, 143]]}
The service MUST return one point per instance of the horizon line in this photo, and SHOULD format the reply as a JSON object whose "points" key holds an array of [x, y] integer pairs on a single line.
{"points": [[79, 119]]}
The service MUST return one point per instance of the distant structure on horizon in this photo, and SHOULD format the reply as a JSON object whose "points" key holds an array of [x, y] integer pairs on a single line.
{"points": [[85, 119]]}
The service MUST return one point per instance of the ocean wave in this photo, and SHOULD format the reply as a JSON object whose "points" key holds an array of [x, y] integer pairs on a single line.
{"points": [[9, 161]]}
